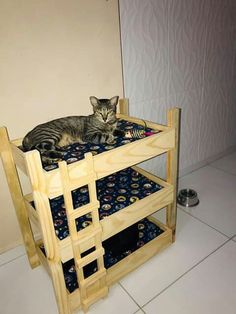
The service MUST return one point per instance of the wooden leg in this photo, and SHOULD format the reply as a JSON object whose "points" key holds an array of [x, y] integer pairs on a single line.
{"points": [[60, 287], [17, 197], [172, 169]]}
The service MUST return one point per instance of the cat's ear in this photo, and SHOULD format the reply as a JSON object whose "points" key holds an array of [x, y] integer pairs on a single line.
{"points": [[114, 101], [94, 101]]}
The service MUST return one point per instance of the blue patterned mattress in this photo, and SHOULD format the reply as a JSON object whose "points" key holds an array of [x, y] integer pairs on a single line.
{"points": [[114, 192], [146, 230], [76, 151]]}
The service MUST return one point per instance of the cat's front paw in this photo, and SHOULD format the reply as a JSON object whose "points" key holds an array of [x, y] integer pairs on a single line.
{"points": [[110, 139]]}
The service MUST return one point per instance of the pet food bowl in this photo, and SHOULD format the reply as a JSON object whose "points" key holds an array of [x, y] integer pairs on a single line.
{"points": [[187, 198]]}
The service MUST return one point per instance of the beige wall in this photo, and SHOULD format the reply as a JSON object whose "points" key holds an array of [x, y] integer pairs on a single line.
{"points": [[53, 56]]}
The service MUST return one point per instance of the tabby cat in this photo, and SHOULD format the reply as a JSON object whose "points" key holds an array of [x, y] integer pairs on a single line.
{"points": [[100, 127]]}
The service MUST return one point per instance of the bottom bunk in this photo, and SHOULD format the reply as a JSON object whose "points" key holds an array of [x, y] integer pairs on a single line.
{"points": [[152, 237]]}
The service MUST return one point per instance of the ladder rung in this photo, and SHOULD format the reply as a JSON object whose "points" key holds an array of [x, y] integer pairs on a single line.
{"points": [[93, 278], [87, 235], [90, 257], [83, 210], [101, 293]]}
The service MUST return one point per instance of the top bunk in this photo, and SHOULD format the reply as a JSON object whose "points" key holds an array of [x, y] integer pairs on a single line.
{"points": [[107, 159]]}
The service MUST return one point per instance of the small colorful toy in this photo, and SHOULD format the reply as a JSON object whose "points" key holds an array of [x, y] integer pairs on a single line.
{"points": [[138, 133]]}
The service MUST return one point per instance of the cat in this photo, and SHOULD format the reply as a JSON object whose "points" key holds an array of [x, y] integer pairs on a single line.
{"points": [[100, 127]]}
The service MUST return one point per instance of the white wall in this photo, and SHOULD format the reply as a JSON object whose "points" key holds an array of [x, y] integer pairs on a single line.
{"points": [[53, 56], [182, 53]]}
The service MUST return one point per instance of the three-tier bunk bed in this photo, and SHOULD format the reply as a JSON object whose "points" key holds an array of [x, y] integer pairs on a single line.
{"points": [[84, 208]]}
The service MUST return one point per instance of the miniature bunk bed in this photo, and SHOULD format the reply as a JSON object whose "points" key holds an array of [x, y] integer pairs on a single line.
{"points": [[94, 195]]}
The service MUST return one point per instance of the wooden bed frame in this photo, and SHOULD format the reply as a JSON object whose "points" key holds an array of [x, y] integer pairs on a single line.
{"points": [[61, 181]]}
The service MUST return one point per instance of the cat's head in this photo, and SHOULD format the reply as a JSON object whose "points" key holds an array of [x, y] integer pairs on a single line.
{"points": [[105, 109]]}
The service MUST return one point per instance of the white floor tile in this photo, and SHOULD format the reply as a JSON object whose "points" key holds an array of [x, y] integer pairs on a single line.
{"points": [[11, 254], [194, 241], [227, 163], [24, 290], [27, 291], [117, 301], [139, 312], [208, 288], [216, 191]]}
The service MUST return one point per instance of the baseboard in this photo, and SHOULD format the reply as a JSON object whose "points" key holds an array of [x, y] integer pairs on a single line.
{"points": [[10, 246], [205, 162]]}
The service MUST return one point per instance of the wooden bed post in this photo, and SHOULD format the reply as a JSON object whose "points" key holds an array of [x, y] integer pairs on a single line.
{"points": [[50, 241], [173, 121], [17, 197], [124, 106]]}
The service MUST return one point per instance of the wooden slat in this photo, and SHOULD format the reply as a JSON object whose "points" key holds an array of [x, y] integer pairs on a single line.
{"points": [[151, 176], [90, 257], [17, 142], [84, 210], [32, 213], [133, 153], [18, 156], [17, 196], [135, 212], [93, 278]]}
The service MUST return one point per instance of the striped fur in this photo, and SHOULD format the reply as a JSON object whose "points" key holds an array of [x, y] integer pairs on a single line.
{"points": [[50, 137]]}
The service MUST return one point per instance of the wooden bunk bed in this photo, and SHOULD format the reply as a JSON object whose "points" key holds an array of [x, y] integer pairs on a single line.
{"points": [[85, 246]]}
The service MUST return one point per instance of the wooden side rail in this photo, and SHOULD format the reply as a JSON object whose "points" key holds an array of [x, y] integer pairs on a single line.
{"points": [[17, 197]]}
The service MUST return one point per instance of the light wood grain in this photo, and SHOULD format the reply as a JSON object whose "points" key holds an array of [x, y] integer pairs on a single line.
{"points": [[50, 241], [17, 197], [173, 121], [62, 181]]}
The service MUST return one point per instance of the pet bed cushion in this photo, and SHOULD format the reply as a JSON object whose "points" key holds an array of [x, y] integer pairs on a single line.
{"points": [[114, 192], [147, 232], [75, 152]]}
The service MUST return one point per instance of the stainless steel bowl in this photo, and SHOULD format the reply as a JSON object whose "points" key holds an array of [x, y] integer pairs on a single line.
{"points": [[187, 198]]}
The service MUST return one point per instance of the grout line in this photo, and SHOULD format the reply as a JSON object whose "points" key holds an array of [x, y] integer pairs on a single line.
{"points": [[190, 269], [12, 260], [225, 171], [191, 171], [139, 307], [186, 212], [139, 311], [206, 162]]}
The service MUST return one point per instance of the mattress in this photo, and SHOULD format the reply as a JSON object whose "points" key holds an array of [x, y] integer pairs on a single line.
{"points": [[147, 231], [76, 151], [114, 193]]}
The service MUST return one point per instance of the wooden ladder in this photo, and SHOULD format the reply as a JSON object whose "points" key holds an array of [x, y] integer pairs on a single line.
{"points": [[93, 287]]}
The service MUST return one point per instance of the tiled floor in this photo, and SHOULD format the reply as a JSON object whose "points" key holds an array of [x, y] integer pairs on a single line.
{"points": [[195, 275]]}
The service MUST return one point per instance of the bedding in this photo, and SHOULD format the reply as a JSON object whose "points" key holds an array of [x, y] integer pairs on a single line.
{"points": [[75, 152], [147, 231], [114, 192]]}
